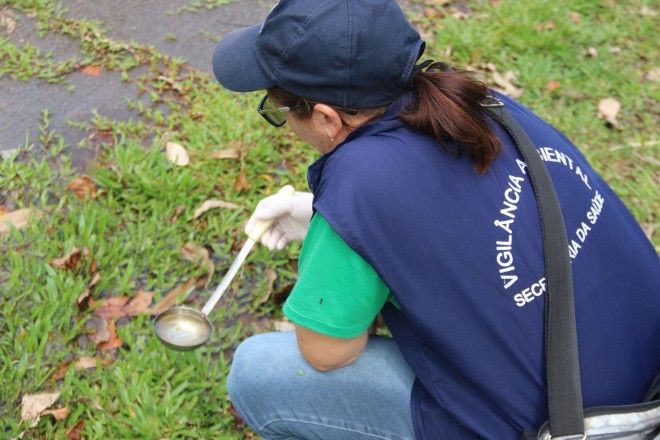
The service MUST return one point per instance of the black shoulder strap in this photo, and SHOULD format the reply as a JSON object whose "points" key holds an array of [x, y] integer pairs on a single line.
{"points": [[561, 351]]}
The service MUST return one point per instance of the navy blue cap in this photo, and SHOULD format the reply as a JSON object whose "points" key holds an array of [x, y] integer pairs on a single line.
{"points": [[348, 53]]}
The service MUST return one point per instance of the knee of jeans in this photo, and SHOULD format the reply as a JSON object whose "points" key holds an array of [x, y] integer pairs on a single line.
{"points": [[248, 375]]}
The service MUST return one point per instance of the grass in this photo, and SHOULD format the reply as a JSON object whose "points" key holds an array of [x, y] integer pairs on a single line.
{"points": [[150, 392]]}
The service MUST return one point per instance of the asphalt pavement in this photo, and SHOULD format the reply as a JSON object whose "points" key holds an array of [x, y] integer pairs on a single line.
{"points": [[190, 36]]}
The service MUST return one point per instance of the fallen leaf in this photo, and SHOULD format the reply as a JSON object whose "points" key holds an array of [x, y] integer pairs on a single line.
{"points": [[241, 183], [227, 153], [614, 50], [99, 137], [92, 70], [653, 75], [552, 86], [432, 13], [83, 187], [647, 12], [177, 154], [460, 15], [170, 299], [212, 204], [120, 306], [112, 308], [70, 261], [113, 341], [177, 213], [283, 325], [75, 433], [7, 20], [139, 303], [592, 52], [32, 405], [102, 333], [547, 26], [608, 109], [57, 413], [82, 363], [18, 219], [505, 82], [575, 17], [201, 256], [83, 299], [174, 85]]}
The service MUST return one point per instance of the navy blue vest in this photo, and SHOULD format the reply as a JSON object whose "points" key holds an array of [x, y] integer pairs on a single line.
{"points": [[462, 254]]}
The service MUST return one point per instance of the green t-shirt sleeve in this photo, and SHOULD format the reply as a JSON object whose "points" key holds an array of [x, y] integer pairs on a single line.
{"points": [[338, 293]]}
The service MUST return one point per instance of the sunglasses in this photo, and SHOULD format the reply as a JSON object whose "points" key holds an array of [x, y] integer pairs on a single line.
{"points": [[276, 114], [273, 113]]}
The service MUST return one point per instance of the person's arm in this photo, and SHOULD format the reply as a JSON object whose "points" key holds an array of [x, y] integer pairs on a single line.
{"points": [[325, 353], [334, 302]]}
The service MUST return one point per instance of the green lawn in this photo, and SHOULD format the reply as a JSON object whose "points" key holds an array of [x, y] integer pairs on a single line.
{"points": [[142, 214]]}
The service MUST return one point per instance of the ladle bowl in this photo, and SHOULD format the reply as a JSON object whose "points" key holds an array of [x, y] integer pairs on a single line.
{"points": [[183, 328]]}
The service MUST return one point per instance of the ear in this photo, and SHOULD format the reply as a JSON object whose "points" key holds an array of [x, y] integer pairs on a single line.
{"points": [[326, 121]]}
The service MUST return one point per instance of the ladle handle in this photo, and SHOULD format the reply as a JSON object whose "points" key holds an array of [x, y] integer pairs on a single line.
{"points": [[261, 226], [254, 234]]}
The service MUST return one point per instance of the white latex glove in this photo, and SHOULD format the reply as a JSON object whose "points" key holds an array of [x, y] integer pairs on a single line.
{"points": [[291, 215]]}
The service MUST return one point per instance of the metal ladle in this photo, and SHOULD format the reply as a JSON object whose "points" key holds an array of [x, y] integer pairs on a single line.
{"points": [[185, 328]]}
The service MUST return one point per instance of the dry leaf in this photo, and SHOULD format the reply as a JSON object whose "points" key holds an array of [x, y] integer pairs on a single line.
{"points": [[18, 219], [112, 308], [139, 303], [460, 15], [505, 82], [120, 306], [548, 26], [113, 341], [177, 154], [75, 433], [647, 12], [82, 363], [552, 86], [7, 20], [432, 13], [71, 261], [177, 213], [212, 204], [592, 52], [83, 187], [241, 183], [169, 300], [57, 413], [102, 333], [608, 109], [614, 50], [227, 153], [283, 325], [83, 299], [32, 405], [653, 75], [201, 256], [92, 70], [576, 17]]}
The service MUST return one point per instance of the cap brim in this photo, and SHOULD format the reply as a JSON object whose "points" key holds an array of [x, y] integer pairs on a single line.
{"points": [[235, 62]]}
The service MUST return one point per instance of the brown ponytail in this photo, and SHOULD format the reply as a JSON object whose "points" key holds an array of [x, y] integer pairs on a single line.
{"points": [[446, 107]]}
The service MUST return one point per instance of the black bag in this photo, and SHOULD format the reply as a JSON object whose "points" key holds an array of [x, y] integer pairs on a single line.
{"points": [[567, 419]]}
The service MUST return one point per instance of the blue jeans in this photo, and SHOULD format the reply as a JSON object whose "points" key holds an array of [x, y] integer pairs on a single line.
{"points": [[281, 397]]}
